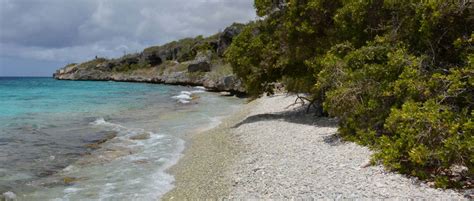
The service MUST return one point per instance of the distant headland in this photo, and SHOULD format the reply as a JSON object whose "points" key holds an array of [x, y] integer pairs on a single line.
{"points": [[189, 61]]}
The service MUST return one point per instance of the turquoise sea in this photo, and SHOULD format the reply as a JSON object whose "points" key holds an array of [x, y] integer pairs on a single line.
{"points": [[52, 134]]}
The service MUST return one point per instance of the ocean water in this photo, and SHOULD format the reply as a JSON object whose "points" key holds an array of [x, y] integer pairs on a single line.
{"points": [[52, 136]]}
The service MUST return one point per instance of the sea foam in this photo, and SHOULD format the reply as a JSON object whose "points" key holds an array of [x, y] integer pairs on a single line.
{"points": [[125, 158], [185, 97]]}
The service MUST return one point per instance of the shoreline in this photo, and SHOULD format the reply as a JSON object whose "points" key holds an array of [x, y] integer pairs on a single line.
{"points": [[271, 151], [201, 170], [212, 89], [126, 138]]}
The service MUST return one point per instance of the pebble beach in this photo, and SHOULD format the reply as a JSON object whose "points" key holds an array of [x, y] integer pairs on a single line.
{"points": [[272, 149]]}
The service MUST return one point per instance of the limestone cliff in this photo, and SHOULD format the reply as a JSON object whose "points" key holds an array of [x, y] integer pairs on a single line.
{"points": [[190, 61]]}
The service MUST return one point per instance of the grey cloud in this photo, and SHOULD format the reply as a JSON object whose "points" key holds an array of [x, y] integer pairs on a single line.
{"points": [[42, 23], [72, 30]]}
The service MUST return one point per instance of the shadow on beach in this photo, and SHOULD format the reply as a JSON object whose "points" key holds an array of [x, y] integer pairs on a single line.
{"points": [[297, 115]]}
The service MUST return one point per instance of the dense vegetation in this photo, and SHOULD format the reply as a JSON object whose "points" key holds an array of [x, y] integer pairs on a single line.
{"points": [[398, 75], [187, 48]]}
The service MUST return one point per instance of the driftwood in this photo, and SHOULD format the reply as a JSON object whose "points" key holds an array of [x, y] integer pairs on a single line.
{"points": [[312, 103]]}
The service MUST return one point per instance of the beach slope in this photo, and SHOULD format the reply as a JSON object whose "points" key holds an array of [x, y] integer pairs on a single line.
{"points": [[274, 150]]}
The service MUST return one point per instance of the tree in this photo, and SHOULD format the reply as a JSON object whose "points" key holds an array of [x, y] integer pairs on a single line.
{"points": [[397, 74]]}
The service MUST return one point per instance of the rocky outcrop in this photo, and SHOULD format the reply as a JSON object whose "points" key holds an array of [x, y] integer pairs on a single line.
{"points": [[191, 61], [228, 83], [225, 39], [202, 62], [153, 59], [199, 67], [203, 56]]}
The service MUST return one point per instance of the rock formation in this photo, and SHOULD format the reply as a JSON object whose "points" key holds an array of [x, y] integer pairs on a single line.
{"points": [[190, 61], [225, 39]]}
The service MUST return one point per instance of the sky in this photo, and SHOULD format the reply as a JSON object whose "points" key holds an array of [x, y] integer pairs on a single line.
{"points": [[39, 36]]}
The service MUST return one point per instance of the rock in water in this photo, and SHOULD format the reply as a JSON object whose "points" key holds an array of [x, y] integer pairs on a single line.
{"points": [[194, 97], [143, 136], [9, 196], [69, 180], [225, 93], [98, 143]]}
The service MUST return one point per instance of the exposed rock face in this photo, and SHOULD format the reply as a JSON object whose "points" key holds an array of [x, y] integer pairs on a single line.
{"points": [[199, 67], [152, 58], [227, 36], [227, 83], [202, 62], [203, 56]]}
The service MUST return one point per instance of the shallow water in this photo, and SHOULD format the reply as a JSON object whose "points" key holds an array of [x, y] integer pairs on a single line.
{"points": [[47, 127]]}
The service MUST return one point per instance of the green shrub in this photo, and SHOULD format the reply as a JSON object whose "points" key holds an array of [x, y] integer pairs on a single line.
{"points": [[187, 48], [397, 74], [253, 56], [357, 86], [427, 139], [419, 122]]}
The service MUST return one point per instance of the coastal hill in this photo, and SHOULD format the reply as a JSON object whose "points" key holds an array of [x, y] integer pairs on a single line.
{"points": [[189, 61]]}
